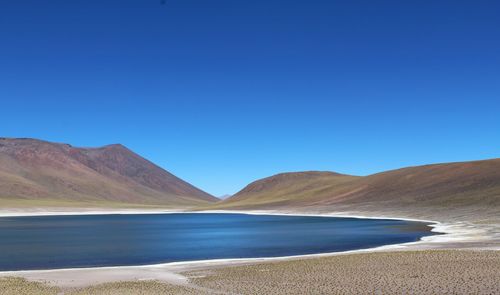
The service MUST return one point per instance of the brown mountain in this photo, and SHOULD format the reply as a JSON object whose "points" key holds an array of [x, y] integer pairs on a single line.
{"points": [[440, 186], [287, 188], [44, 173]]}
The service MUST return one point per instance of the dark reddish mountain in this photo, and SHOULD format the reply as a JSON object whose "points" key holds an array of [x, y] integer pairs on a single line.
{"points": [[53, 173]]}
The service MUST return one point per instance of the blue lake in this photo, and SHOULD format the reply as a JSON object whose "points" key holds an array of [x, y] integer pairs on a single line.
{"points": [[48, 242]]}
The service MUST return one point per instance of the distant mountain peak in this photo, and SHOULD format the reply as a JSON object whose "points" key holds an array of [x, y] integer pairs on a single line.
{"points": [[115, 146]]}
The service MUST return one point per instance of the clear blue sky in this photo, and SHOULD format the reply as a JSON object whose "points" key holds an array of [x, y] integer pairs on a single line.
{"points": [[224, 92]]}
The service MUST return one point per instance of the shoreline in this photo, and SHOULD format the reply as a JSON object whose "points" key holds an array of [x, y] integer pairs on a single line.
{"points": [[169, 272]]}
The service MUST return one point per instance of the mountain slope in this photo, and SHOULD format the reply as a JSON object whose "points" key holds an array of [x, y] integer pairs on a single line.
{"points": [[38, 171], [452, 185], [286, 189]]}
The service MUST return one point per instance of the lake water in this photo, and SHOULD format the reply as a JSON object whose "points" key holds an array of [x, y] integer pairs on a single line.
{"points": [[48, 242]]}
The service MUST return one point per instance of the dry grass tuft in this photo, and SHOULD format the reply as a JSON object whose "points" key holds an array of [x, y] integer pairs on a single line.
{"points": [[20, 286]]}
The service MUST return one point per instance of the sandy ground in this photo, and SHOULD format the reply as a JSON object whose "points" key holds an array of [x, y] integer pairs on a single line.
{"points": [[399, 272], [388, 269], [408, 272]]}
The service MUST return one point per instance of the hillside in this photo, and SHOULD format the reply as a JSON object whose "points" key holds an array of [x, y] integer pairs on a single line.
{"points": [[38, 173], [287, 189], [463, 185]]}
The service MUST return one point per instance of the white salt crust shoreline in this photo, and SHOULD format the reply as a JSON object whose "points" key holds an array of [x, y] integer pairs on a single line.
{"points": [[168, 272]]}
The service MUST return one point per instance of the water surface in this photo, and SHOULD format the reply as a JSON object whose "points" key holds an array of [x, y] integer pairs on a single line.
{"points": [[49, 242]]}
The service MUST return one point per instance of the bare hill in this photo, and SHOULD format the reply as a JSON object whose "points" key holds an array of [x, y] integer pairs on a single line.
{"points": [[44, 173], [451, 185]]}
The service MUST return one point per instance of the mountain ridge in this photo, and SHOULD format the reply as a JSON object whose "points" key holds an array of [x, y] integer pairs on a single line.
{"points": [[447, 185], [37, 169]]}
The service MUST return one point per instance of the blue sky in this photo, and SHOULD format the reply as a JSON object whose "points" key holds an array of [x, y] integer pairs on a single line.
{"points": [[224, 92]]}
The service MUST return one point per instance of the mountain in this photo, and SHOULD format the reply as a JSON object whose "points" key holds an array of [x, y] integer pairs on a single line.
{"points": [[45, 173], [286, 189], [223, 197], [439, 186]]}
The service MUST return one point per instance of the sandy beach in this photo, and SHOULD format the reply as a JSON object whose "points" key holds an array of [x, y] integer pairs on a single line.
{"points": [[477, 246]]}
